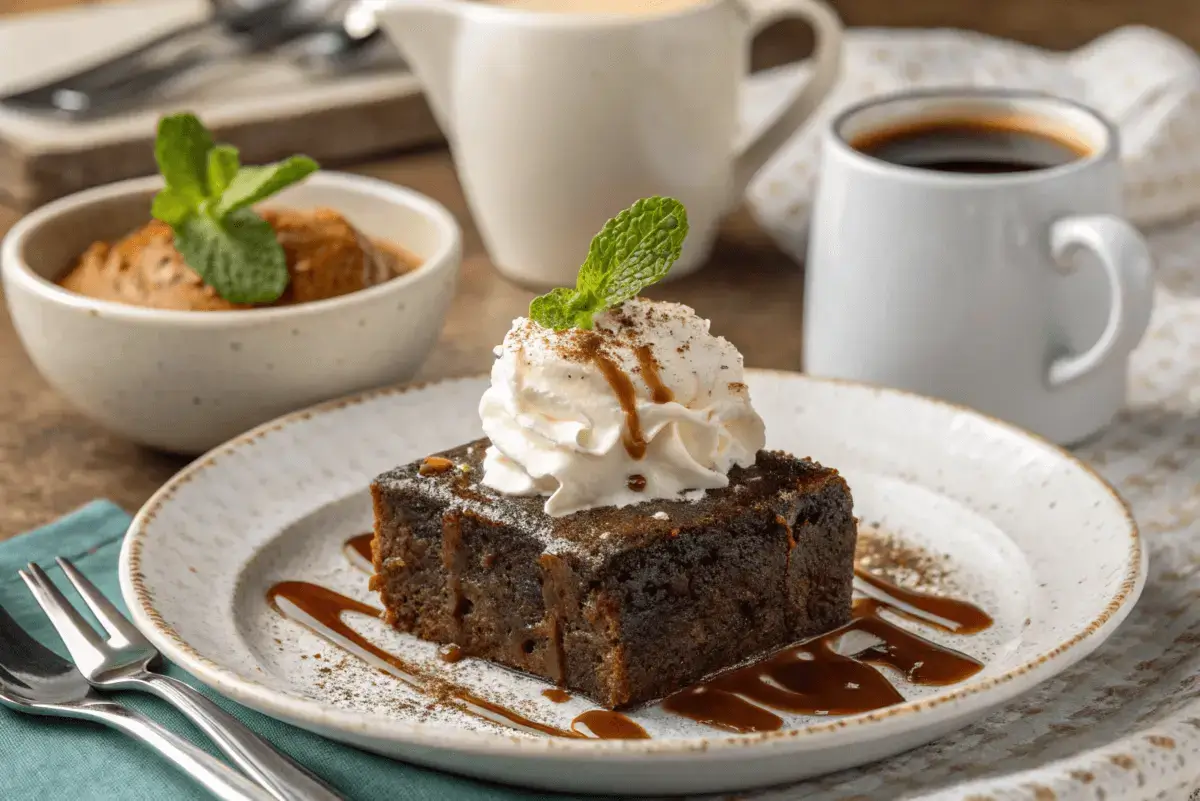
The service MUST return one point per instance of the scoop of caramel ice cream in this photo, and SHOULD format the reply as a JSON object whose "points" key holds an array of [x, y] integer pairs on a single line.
{"points": [[143, 269], [326, 257]]}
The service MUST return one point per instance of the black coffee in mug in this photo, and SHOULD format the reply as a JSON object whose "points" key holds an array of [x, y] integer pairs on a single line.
{"points": [[983, 145]]}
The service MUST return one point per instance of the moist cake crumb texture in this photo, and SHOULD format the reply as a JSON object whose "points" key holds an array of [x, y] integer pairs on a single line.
{"points": [[623, 605]]}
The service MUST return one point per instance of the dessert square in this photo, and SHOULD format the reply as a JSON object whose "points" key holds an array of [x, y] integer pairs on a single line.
{"points": [[625, 604]]}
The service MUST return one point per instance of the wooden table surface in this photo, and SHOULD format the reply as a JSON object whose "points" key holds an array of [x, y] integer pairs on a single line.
{"points": [[53, 459]]}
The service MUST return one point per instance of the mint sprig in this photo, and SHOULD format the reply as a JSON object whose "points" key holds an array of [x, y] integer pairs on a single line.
{"points": [[206, 202], [634, 250], [234, 252]]}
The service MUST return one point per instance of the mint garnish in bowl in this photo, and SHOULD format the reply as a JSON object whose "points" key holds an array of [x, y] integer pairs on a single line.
{"points": [[634, 250], [207, 203]]}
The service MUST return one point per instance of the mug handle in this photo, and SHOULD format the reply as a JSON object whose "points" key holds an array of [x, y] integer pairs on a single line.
{"points": [[827, 67], [1123, 254]]}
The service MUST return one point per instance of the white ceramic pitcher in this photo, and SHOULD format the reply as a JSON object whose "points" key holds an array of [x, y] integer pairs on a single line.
{"points": [[559, 120]]}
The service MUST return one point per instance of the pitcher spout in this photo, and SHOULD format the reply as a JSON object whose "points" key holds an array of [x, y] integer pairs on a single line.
{"points": [[426, 34]]}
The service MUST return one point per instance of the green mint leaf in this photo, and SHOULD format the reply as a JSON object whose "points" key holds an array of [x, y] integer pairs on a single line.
{"points": [[223, 165], [181, 150], [238, 255], [171, 207], [253, 184], [206, 202], [554, 309], [635, 249], [562, 308]]}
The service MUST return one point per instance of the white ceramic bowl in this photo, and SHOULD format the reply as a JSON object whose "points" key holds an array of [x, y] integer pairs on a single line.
{"points": [[186, 381]]}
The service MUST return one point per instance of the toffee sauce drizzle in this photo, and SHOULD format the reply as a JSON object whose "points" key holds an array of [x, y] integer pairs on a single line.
{"points": [[659, 392], [359, 547], [622, 386], [556, 658], [948, 614], [320, 610], [811, 678], [557, 695], [607, 725]]}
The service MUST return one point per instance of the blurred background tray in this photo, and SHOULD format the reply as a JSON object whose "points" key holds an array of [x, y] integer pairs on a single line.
{"points": [[271, 109], [267, 107]]}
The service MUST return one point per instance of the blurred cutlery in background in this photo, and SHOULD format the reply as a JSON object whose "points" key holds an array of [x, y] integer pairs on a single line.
{"points": [[333, 106], [234, 29], [355, 44]]}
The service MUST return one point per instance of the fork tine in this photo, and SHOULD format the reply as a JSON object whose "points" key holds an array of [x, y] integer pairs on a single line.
{"points": [[109, 616], [77, 634]]}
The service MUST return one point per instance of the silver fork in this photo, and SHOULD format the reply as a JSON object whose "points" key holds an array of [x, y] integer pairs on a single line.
{"points": [[36, 681], [122, 662]]}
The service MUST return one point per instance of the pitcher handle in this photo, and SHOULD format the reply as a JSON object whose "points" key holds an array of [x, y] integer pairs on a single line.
{"points": [[1125, 258], [826, 68]]}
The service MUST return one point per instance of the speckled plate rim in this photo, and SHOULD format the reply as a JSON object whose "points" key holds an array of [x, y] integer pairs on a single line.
{"points": [[957, 701]]}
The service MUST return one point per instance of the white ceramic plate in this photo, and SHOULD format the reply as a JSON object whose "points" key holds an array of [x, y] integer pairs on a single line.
{"points": [[1022, 529]]}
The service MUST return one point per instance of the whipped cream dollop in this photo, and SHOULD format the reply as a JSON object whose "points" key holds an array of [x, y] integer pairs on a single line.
{"points": [[645, 406]]}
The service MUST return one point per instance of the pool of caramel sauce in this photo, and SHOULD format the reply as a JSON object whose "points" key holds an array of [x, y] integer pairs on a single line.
{"points": [[814, 678], [811, 678]]}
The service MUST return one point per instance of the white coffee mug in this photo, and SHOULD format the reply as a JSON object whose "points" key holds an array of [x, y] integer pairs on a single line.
{"points": [[1020, 294], [557, 120]]}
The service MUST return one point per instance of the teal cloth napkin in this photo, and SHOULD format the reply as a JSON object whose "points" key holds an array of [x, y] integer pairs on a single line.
{"points": [[46, 759]]}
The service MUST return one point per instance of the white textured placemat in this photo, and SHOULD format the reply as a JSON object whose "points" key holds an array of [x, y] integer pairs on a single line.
{"points": [[1124, 725]]}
